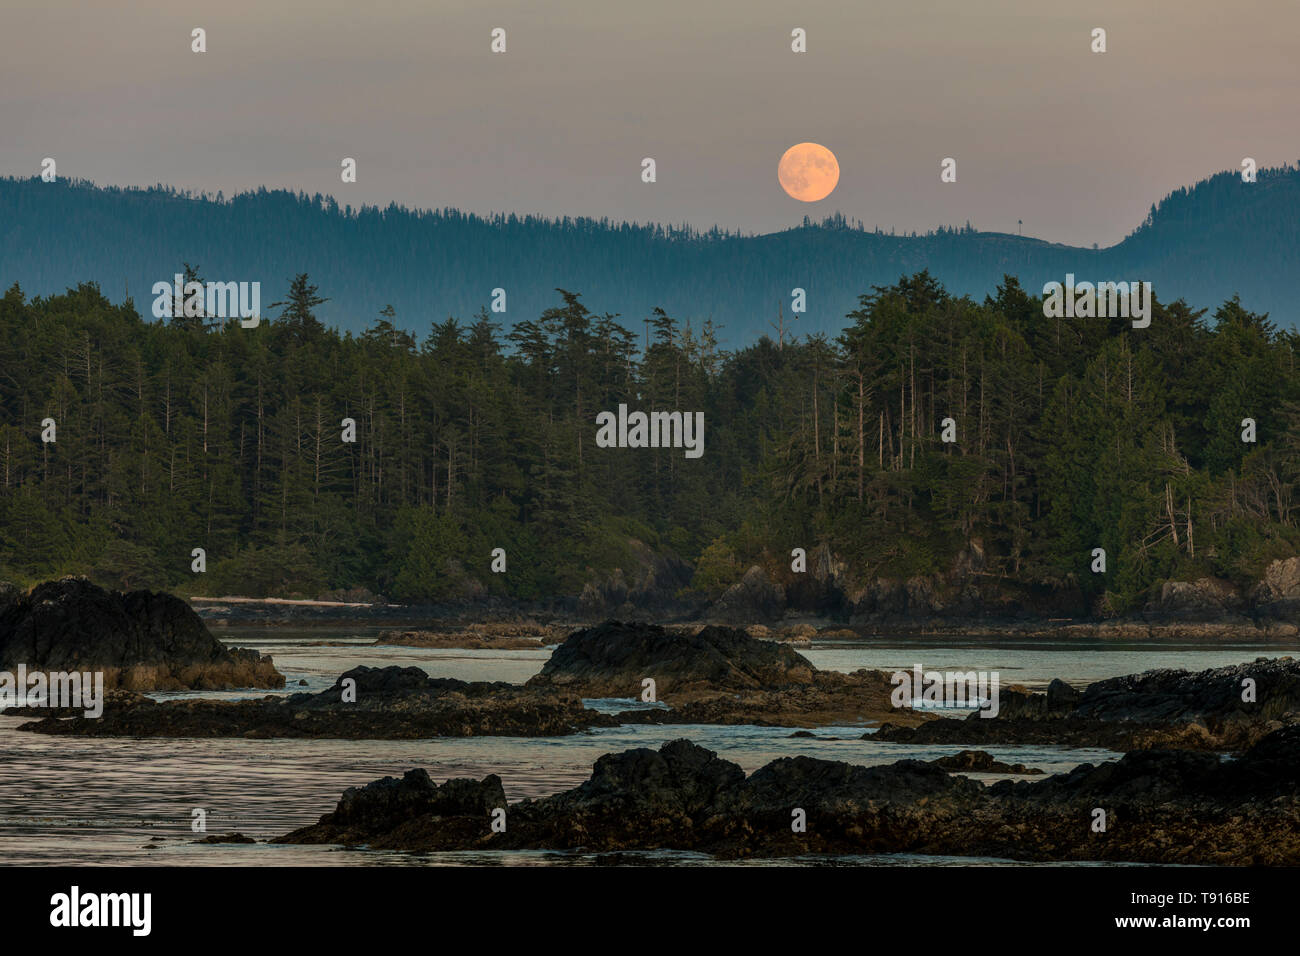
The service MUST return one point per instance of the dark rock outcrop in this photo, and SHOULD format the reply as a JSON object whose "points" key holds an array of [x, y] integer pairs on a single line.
{"points": [[226, 838], [645, 581], [821, 589], [1160, 807], [682, 796], [1210, 695], [716, 675], [388, 806], [391, 703], [755, 598], [831, 698], [979, 761], [965, 599], [1278, 592], [611, 659], [963, 596], [1202, 710], [141, 640], [1205, 599]]}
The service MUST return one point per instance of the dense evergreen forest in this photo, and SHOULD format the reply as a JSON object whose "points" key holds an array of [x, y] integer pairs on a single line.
{"points": [[1219, 238], [1071, 434]]}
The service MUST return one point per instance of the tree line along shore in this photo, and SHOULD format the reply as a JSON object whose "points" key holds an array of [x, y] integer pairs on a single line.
{"points": [[1071, 436]]}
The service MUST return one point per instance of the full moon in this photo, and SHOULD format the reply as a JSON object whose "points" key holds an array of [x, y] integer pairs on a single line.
{"points": [[808, 172]]}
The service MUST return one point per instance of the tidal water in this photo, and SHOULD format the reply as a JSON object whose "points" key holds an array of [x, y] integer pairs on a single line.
{"points": [[69, 800]]}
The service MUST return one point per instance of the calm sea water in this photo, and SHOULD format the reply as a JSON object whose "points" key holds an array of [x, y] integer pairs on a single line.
{"points": [[122, 801]]}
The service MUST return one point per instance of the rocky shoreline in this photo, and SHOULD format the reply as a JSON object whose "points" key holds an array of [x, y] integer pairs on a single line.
{"points": [[829, 601], [1151, 806], [449, 624]]}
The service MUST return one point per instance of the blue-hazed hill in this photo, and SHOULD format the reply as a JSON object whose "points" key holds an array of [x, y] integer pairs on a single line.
{"points": [[1218, 238]]}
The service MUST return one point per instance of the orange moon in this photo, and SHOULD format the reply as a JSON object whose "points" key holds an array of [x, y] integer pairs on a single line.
{"points": [[808, 172]]}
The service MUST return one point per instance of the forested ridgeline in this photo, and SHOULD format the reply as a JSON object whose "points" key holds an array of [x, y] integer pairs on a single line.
{"points": [[1217, 238], [1070, 435]]}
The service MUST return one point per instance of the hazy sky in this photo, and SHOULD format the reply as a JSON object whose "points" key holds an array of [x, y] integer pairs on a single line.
{"points": [[1076, 144]]}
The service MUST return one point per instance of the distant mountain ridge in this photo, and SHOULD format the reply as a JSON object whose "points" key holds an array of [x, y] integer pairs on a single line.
{"points": [[1204, 243]]}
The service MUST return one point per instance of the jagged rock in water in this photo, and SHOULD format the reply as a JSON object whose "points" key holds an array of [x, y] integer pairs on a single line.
{"points": [[141, 640], [385, 803], [716, 675], [1162, 807], [1202, 710], [400, 810], [611, 659]]}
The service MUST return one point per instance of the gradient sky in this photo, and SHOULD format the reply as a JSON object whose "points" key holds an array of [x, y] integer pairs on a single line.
{"points": [[1076, 144]]}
